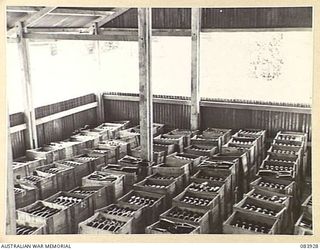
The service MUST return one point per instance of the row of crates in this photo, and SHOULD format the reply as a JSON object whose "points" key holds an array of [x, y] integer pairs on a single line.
{"points": [[183, 161], [274, 195]]}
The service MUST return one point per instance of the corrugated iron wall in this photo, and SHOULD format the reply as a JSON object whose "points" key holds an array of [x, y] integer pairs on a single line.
{"points": [[180, 18], [59, 129], [178, 116]]}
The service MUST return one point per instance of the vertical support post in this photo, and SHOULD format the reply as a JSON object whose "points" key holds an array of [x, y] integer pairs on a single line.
{"points": [[30, 118], [100, 107], [195, 68], [145, 104], [10, 200]]}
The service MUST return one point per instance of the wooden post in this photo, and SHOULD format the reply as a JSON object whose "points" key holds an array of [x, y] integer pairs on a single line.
{"points": [[30, 118], [195, 69], [10, 200], [145, 104], [100, 107]]}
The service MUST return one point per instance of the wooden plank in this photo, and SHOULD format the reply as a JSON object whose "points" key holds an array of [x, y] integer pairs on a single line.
{"points": [[145, 103], [10, 201], [256, 29], [32, 141], [195, 68], [66, 113], [58, 11], [37, 16], [46, 36], [18, 128]]}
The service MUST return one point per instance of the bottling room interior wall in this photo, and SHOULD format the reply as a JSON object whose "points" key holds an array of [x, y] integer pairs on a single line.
{"points": [[55, 130], [178, 115]]}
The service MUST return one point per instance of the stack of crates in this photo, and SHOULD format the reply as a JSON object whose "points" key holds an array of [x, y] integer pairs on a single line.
{"points": [[304, 225]]}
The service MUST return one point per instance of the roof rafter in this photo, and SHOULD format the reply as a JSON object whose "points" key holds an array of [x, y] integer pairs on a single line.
{"points": [[60, 11]]}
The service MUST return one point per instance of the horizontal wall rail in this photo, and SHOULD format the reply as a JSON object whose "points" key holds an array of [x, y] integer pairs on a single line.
{"points": [[55, 116]]}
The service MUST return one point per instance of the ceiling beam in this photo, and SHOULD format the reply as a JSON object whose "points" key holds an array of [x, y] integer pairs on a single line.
{"points": [[60, 11], [37, 16]]}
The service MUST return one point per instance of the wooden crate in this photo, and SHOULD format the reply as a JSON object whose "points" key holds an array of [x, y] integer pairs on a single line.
{"points": [[143, 166], [156, 129], [274, 199], [130, 174], [44, 152], [58, 223], [113, 182], [303, 226], [37, 228], [168, 188], [166, 139], [241, 168], [247, 143], [168, 148], [110, 130], [186, 133], [95, 135], [151, 212], [213, 206], [47, 184], [68, 148], [99, 195], [177, 214], [137, 215], [169, 169], [118, 147], [81, 169], [220, 192], [225, 134], [227, 166], [85, 228], [107, 154], [94, 162], [278, 170], [186, 139], [179, 179], [286, 152], [66, 179], [220, 177], [289, 186], [184, 158], [158, 156], [260, 135], [85, 141], [293, 136], [24, 166], [201, 140], [130, 137], [307, 207], [25, 194], [201, 150], [157, 227], [230, 228], [78, 211], [280, 211]]}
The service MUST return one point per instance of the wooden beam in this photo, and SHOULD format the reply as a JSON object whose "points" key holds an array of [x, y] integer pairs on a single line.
{"points": [[195, 68], [18, 128], [255, 29], [37, 16], [59, 11], [66, 113], [29, 20], [43, 36], [32, 141], [10, 200], [145, 86]]}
